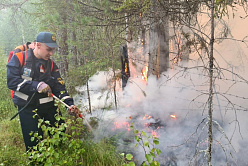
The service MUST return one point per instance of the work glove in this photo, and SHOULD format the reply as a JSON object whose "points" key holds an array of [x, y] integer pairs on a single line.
{"points": [[44, 88], [74, 110]]}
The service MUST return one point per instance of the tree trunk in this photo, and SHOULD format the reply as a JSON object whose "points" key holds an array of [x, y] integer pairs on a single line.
{"points": [[113, 67], [143, 38], [159, 48], [158, 44], [87, 85], [129, 34], [210, 99], [74, 49], [63, 50], [88, 92], [125, 71]]}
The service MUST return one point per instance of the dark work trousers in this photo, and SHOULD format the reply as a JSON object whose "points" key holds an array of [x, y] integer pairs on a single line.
{"points": [[30, 123]]}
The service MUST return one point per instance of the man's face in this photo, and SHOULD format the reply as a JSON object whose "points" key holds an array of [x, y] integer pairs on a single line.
{"points": [[44, 52]]}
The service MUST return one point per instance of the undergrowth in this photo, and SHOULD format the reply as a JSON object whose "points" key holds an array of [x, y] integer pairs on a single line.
{"points": [[74, 147]]}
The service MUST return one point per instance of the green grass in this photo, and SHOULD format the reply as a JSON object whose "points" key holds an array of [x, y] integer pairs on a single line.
{"points": [[12, 149], [102, 154], [11, 142]]}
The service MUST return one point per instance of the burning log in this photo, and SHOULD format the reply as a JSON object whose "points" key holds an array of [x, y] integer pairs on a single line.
{"points": [[125, 71], [144, 73]]}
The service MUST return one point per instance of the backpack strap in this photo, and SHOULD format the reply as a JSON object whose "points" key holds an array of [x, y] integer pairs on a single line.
{"points": [[51, 64], [24, 57], [24, 47], [21, 57]]}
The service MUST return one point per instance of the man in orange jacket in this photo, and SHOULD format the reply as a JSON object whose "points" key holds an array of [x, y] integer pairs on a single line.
{"points": [[34, 78]]}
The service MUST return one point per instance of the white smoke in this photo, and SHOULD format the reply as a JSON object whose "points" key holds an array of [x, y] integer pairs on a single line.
{"points": [[185, 95]]}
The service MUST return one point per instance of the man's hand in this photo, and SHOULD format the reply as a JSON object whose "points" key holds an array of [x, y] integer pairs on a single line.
{"points": [[44, 88], [74, 110]]}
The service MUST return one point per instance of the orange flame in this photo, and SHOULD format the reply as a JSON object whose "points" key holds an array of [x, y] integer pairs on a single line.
{"points": [[144, 73], [155, 134], [147, 117], [126, 125], [125, 67], [122, 125], [173, 116]]}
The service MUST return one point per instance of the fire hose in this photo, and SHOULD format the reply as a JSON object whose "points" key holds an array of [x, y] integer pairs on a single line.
{"points": [[80, 115], [23, 107], [55, 97]]}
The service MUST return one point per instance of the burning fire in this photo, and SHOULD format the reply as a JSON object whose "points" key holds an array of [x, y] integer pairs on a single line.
{"points": [[122, 125], [173, 116], [176, 60], [126, 68], [148, 127], [155, 134], [147, 117], [144, 73]]}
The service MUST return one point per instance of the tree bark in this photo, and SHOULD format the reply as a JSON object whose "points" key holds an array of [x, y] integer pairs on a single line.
{"points": [[158, 46], [63, 50], [210, 99], [74, 49]]}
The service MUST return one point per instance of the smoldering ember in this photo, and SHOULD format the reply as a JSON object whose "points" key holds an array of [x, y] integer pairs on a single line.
{"points": [[173, 108], [124, 82]]}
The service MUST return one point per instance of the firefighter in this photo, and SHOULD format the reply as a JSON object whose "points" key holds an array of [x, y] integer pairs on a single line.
{"points": [[34, 77]]}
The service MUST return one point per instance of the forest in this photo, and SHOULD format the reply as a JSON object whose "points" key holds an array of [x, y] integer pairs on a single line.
{"points": [[158, 82]]}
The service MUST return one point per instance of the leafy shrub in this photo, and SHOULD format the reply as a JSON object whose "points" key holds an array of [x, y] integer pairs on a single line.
{"points": [[148, 144], [70, 147], [56, 146]]}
